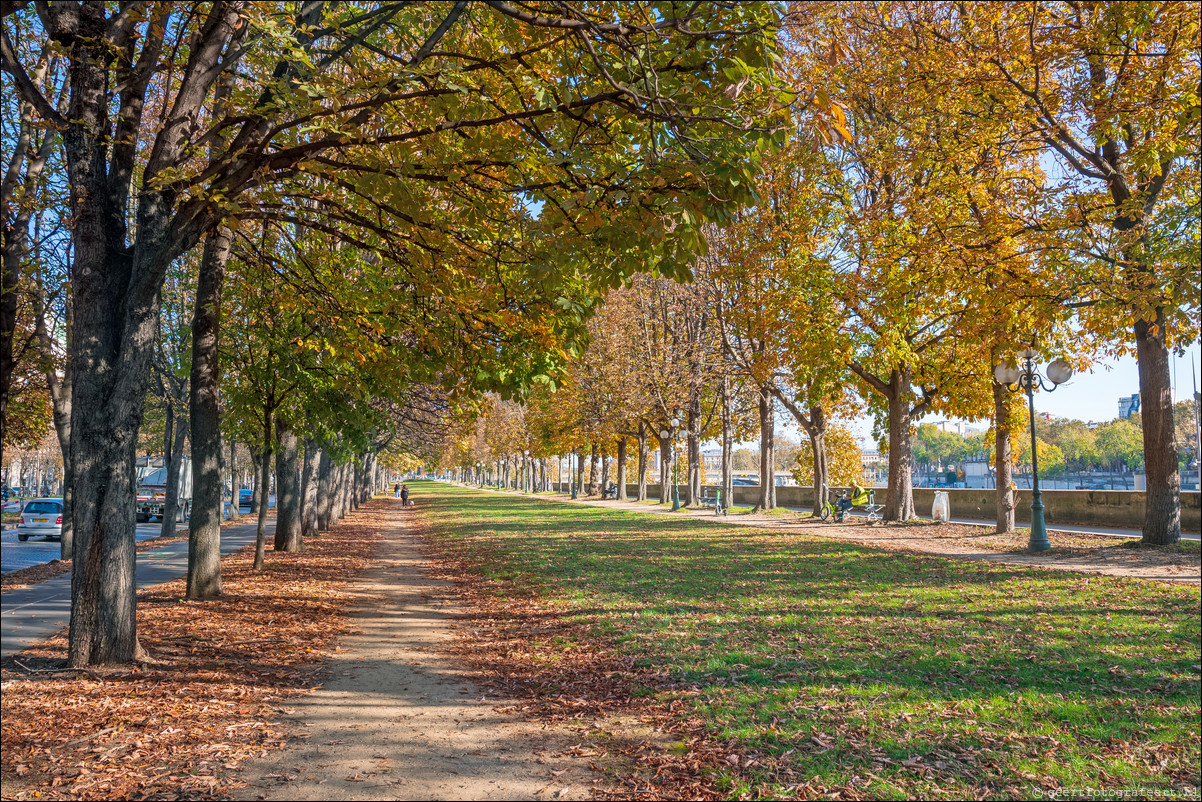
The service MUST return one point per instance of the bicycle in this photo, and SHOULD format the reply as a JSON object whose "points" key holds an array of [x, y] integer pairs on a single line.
{"points": [[831, 508]]}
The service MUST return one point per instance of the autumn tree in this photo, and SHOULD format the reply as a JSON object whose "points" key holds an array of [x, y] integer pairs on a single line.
{"points": [[356, 90], [1111, 91]]}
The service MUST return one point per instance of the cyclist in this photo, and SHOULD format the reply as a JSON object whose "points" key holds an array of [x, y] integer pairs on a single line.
{"points": [[858, 496]]}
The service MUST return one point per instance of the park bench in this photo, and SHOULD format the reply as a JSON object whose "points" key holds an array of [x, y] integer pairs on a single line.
{"points": [[609, 492]]}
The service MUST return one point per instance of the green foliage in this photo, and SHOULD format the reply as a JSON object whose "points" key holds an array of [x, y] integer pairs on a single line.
{"points": [[1119, 443]]}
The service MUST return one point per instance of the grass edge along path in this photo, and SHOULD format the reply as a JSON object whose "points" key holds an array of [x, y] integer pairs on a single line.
{"points": [[179, 727], [780, 665]]}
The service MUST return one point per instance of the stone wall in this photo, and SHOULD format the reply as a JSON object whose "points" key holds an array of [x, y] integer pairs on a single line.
{"points": [[1117, 508]]}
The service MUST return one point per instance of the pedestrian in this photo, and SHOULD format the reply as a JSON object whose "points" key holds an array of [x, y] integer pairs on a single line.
{"points": [[397, 490], [404, 495]]}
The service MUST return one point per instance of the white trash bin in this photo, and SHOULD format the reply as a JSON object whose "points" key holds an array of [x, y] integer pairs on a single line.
{"points": [[941, 510]]}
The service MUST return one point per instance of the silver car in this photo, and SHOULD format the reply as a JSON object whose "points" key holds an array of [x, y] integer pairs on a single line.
{"points": [[41, 516]]}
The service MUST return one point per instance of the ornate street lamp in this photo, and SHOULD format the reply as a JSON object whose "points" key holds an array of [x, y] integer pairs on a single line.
{"points": [[665, 433], [1027, 378]]}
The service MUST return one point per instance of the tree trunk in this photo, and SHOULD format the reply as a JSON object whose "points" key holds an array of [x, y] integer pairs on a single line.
{"points": [[821, 478], [262, 481], [62, 428], [345, 474], [899, 498], [592, 471], [288, 500], [1162, 516], [1003, 457], [642, 496], [323, 492], [234, 483], [256, 469], [204, 530], [693, 447], [665, 470], [621, 468], [309, 489], [171, 506], [767, 497], [727, 480]]}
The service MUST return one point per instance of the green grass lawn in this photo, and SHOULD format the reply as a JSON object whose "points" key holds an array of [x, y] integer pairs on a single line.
{"points": [[899, 676]]}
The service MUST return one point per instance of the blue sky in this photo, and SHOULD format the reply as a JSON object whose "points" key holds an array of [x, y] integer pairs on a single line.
{"points": [[1088, 396]]}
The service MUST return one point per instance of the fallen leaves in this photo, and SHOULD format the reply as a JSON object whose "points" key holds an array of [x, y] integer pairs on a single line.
{"points": [[179, 728]]}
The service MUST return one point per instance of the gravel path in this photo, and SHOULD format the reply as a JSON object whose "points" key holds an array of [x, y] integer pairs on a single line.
{"points": [[398, 720]]}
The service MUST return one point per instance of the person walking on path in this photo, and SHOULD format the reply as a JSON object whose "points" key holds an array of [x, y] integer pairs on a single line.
{"points": [[397, 490], [404, 495]]}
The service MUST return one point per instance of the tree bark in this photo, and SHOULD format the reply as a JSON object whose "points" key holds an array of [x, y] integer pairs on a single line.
{"points": [[693, 447], [262, 481], [234, 483], [324, 492], [642, 494], [1162, 516], [1003, 457], [899, 498], [727, 445], [621, 468], [288, 500], [817, 437], [592, 471], [171, 506], [767, 497], [309, 489], [204, 532], [665, 470]]}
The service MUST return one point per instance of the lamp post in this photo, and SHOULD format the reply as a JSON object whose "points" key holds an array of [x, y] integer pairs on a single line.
{"points": [[572, 471], [665, 433], [526, 470], [1027, 378]]}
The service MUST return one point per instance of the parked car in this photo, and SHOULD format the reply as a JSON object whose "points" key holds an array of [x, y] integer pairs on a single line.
{"points": [[41, 516], [244, 497], [13, 505]]}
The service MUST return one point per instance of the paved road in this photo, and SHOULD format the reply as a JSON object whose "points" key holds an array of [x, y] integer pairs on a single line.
{"points": [[37, 612], [15, 555], [37, 550]]}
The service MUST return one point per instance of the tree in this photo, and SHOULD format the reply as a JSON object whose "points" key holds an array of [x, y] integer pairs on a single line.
{"points": [[1120, 445], [844, 463], [353, 79], [1111, 90]]}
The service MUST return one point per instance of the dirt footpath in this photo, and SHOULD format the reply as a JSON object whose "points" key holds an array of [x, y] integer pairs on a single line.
{"points": [[397, 720]]}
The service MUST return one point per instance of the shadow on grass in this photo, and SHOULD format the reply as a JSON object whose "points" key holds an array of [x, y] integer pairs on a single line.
{"points": [[698, 599]]}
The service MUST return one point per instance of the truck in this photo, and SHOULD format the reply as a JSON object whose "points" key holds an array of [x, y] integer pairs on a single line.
{"points": [[152, 488]]}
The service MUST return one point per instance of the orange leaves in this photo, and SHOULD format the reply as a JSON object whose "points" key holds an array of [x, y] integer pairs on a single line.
{"points": [[183, 724]]}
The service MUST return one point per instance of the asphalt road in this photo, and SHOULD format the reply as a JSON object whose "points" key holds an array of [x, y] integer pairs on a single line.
{"points": [[15, 555], [37, 612]]}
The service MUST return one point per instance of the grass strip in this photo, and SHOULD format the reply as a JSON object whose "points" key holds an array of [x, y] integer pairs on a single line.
{"points": [[824, 667]]}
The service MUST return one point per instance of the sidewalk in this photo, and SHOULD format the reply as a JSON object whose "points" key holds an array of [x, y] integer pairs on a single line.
{"points": [[31, 614]]}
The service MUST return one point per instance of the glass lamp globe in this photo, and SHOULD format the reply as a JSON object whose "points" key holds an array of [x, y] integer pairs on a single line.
{"points": [[1060, 371], [1005, 373]]}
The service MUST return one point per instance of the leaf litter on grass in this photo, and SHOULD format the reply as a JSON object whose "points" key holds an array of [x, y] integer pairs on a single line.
{"points": [[774, 665], [179, 727]]}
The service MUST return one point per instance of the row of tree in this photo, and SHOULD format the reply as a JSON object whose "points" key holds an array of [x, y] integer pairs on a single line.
{"points": [[322, 229], [991, 178]]}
